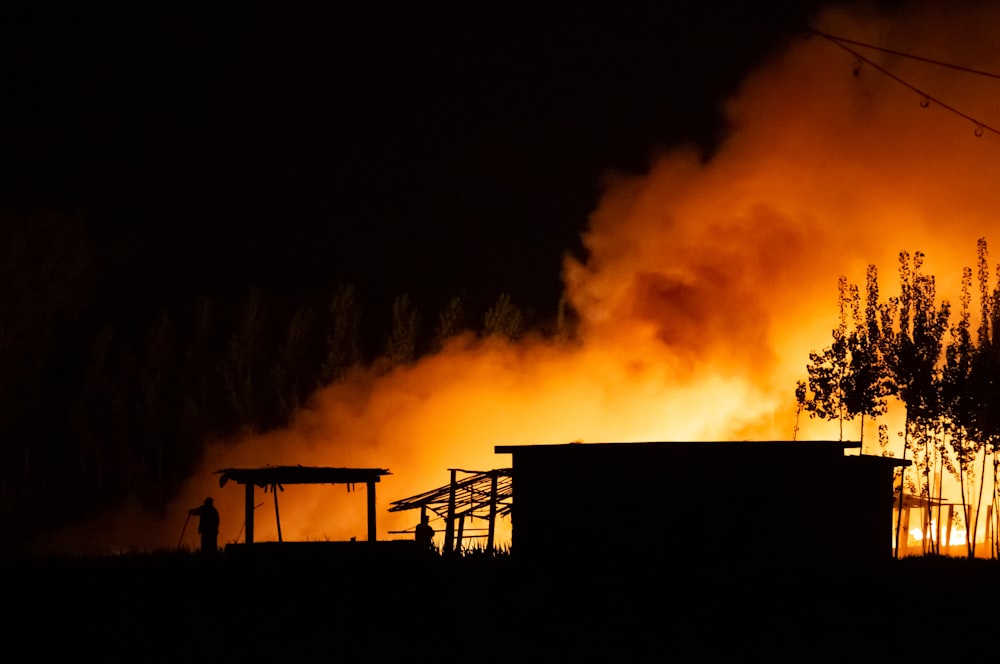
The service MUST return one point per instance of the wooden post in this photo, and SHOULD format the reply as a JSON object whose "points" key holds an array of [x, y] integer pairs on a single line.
{"points": [[493, 515], [988, 539], [248, 512], [461, 527], [371, 511], [951, 519], [449, 525], [904, 545], [937, 534], [925, 539], [277, 517]]}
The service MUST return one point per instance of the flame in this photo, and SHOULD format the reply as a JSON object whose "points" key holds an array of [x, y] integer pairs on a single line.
{"points": [[706, 285], [957, 537]]}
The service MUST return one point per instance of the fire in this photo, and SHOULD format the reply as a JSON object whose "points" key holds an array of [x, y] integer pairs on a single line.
{"points": [[707, 283], [957, 537], [449, 410]]}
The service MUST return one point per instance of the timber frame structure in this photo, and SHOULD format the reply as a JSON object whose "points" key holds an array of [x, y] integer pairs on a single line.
{"points": [[274, 478], [483, 494], [936, 529]]}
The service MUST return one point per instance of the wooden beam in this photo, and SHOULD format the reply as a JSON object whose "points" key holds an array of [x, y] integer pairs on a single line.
{"points": [[248, 512], [371, 510]]}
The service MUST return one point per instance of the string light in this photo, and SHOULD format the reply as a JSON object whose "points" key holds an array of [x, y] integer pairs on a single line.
{"points": [[925, 98]]}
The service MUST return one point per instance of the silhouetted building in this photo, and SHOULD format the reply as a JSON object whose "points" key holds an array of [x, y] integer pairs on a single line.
{"points": [[748, 501]]}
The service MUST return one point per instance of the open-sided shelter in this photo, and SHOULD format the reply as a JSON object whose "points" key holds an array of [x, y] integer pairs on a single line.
{"points": [[478, 494], [695, 500], [273, 478]]}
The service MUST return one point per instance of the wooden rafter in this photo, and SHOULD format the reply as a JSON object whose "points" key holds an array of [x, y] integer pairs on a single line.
{"points": [[481, 495]]}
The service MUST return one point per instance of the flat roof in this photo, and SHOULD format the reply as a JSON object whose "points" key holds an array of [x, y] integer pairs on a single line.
{"points": [[809, 447], [684, 444]]}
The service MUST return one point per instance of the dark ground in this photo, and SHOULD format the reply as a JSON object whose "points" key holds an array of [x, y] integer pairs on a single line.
{"points": [[184, 608]]}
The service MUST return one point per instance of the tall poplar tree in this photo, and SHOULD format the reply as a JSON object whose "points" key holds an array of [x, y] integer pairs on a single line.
{"points": [[866, 384], [983, 424], [828, 369], [912, 353]]}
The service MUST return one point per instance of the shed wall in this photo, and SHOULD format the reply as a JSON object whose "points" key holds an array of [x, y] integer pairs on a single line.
{"points": [[686, 501]]}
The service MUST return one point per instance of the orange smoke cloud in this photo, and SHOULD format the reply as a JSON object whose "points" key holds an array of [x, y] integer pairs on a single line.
{"points": [[706, 286]]}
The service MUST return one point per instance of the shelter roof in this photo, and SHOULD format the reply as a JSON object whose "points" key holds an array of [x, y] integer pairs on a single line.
{"points": [[272, 475], [471, 493]]}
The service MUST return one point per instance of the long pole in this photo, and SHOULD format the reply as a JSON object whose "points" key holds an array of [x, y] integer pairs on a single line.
{"points": [[183, 530], [277, 517], [902, 480], [449, 528]]}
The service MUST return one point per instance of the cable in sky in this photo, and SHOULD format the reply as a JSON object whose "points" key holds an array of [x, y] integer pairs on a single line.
{"points": [[903, 54], [926, 98]]}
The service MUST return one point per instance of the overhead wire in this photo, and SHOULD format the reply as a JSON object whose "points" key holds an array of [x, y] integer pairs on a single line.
{"points": [[927, 98], [903, 54]]}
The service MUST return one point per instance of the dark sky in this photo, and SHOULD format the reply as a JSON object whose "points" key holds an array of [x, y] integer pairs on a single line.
{"points": [[402, 147]]}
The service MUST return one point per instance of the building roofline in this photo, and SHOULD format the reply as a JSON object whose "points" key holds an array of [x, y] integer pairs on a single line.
{"points": [[824, 447], [812, 444]]}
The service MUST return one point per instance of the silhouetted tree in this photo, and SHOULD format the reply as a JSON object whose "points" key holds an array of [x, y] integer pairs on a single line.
{"points": [[563, 319], [452, 321], [503, 319], [829, 368], [290, 372], [866, 384], [240, 370], [343, 349], [46, 282], [160, 391], [204, 366], [981, 423], [800, 405], [401, 345], [957, 394], [91, 414], [911, 353]]}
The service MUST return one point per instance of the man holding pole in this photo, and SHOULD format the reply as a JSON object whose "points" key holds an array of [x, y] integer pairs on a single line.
{"points": [[208, 526]]}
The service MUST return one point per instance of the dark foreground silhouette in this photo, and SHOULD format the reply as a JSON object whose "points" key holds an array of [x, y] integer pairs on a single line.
{"points": [[208, 525], [300, 605]]}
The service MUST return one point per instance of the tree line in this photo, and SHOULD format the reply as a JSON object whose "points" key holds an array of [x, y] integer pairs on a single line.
{"points": [[98, 406], [940, 363]]}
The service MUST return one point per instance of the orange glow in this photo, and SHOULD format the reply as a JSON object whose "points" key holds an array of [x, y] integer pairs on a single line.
{"points": [[957, 537], [706, 287]]}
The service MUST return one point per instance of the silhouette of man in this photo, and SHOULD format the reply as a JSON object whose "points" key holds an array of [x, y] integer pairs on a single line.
{"points": [[208, 526], [425, 534]]}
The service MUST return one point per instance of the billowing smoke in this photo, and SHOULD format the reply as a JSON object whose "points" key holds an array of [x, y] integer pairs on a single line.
{"points": [[707, 283]]}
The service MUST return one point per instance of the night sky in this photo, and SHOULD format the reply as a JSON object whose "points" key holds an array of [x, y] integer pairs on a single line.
{"points": [[428, 150]]}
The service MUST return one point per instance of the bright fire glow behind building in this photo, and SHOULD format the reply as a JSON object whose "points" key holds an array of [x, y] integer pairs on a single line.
{"points": [[706, 286]]}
